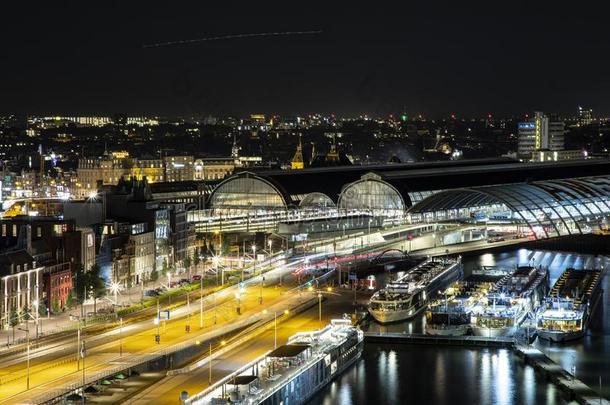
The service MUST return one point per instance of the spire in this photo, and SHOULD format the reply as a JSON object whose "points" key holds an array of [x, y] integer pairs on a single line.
{"points": [[235, 148], [313, 153], [297, 161]]}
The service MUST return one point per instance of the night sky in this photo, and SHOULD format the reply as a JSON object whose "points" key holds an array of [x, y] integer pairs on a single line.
{"points": [[502, 57]]}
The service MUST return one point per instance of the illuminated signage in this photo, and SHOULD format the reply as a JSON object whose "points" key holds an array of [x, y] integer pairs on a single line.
{"points": [[527, 125]]}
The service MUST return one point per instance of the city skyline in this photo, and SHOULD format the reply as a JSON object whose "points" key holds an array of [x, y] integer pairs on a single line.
{"points": [[434, 60]]}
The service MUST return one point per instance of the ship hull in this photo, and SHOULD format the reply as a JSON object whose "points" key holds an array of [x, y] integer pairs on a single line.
{"points": [[395, 316], [560, 337], [457, 330], [493, 332]]}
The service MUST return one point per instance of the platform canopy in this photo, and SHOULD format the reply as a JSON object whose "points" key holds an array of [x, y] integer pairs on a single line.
{"points": [[550, 208]]}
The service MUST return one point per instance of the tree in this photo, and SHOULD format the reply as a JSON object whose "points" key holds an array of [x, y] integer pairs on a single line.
{"points": [[82, 284], [55, 306], [70, 301], [89, 284], [164, 267], [26, 313], [96, 284], [196, 259], [154, 275], [13, 321], [187, 262]]}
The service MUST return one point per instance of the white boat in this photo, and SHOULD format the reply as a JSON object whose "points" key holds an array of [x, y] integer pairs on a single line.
{"points": [[567, 311], [407, 296], [292, 373], [509, 302]]}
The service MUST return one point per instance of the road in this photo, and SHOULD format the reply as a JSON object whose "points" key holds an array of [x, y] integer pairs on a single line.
{"points": [[168, 389], [55, 366]]}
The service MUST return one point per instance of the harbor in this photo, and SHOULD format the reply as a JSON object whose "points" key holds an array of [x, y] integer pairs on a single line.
{"points": [[533, 373], [579, 377], [532, 368]]}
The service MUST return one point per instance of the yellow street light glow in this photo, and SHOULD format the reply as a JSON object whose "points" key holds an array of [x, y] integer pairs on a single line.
{"points": [[264, 311], [329, 289], [286, 311], [310, 288], [223, 343], [197, 342]]}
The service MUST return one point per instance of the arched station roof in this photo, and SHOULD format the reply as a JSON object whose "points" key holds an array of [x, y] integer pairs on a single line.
{"points": [[246, 190], [555, 207], [372, 192], [317, 200]]}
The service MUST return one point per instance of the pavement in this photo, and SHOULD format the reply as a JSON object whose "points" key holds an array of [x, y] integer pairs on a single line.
{"points": [[55, 366], [61, 322]]}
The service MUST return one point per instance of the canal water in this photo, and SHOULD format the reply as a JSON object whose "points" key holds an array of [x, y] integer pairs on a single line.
{"points": [[393, 374]]}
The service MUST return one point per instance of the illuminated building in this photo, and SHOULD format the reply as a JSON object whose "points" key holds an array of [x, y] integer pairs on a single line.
{"points": [[541, 132], [558, 155], [20, 283], [178, 168], [585, 116], [213, 168], [297, 162]]}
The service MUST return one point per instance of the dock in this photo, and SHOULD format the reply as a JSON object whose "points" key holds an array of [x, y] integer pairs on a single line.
{"points": [[575, 389], [421, 339]]}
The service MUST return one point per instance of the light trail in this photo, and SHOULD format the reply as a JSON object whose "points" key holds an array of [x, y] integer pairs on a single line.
{"points": [[232, 36]]}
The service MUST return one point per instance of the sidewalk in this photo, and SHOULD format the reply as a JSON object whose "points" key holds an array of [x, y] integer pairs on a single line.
{"points": [[60, 322]]}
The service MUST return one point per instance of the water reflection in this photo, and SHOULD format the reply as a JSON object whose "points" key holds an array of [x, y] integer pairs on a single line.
{"points": [[481, 378], [440, 376]]}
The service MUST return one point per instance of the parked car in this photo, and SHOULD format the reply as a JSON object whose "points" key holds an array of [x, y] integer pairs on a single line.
{"points": [[151, 293], [196, 277]]}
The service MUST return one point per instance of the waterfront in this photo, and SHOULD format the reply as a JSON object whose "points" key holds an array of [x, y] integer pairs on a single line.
{"points": [[485, 375], [387, 374]]}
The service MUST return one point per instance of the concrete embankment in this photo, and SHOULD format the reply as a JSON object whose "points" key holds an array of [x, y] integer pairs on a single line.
{"points": [[419, 339]]}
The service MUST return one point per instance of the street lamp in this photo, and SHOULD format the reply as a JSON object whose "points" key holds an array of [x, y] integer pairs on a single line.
{"points": [[270, 243], [156, 321], [27, 334], [120, 337], [201, 302], [36, 305], [260, 274], [78, 344], [319, 293], [238, 298], [216, 262]]}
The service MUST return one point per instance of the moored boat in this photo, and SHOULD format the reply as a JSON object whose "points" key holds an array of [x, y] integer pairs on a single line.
{"points": [[509, 302], [406, 297], [566, 313]]}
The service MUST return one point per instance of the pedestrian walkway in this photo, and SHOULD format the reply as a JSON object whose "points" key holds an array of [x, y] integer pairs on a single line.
{"points": [[56, 323]]}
